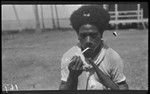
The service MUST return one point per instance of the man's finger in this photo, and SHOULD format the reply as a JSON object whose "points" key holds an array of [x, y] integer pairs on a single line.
{"points": [[80, 64], [73, 58], [77, 62], [71, 65]]}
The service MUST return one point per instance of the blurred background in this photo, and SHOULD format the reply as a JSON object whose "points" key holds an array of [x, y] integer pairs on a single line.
{"points": [[35, 37], [22, 17]]}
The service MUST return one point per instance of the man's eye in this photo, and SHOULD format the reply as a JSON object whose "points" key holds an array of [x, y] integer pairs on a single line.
{"points": [[94, 35], [83, 35]]}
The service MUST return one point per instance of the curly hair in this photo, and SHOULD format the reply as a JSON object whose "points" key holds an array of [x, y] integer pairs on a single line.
{"points": [[90, 14]]}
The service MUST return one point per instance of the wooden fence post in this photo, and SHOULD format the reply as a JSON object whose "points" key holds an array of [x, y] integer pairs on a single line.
{"points": [[138, 13], [144, 27], [116, 16]]}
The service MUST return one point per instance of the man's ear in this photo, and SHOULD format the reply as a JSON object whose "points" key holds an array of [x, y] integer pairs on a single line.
{"points": [[78, 36]]}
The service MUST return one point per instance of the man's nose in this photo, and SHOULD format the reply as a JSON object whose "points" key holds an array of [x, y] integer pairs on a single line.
{"points": [[88, 41]]}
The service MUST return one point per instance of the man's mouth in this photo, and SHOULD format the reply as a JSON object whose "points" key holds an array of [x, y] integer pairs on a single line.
{"points": [[91, 47], [88, 53]]}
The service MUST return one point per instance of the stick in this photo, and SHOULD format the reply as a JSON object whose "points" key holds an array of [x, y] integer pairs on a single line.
{"points": [[105, 80], [85, 50]]}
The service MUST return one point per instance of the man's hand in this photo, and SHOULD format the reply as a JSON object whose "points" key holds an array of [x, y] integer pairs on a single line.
{"points": [[75, 67]]}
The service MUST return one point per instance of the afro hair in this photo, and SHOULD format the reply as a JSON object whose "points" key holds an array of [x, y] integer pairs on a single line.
{"points": [[90, 14]]}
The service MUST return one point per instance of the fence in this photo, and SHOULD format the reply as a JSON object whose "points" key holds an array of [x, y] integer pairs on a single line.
{"points": [[124, 17]]}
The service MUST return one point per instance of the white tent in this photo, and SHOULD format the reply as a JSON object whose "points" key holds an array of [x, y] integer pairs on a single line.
{"points": [[27, 18]]}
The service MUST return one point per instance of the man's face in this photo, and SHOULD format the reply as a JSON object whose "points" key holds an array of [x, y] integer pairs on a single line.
{"points": [[89, 36]]}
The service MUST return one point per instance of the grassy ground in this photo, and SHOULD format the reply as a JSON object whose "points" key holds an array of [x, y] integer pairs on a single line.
{"points": [[32, 61]]}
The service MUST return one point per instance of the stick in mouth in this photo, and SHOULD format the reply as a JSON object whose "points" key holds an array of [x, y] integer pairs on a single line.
{"points": [[85, 50]]}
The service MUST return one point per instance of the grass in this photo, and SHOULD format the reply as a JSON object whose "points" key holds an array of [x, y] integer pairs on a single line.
{"points": [[32, 61]]}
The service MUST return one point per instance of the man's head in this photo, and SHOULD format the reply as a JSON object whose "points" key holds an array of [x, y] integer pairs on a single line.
{"points": [[89, 23]]}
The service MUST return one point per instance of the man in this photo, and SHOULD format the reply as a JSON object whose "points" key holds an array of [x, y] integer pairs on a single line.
{"points": [[77, 73]]}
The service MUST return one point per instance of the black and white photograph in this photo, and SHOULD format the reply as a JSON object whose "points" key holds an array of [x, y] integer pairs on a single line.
{"points": [[97, 46]]}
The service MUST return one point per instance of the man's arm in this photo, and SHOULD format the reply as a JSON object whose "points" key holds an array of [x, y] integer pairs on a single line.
{"points": [[75, 69], [70, 84], [117, 68]]}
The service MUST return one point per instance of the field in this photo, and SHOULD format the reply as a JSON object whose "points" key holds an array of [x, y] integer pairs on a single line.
{"points": [[32, 61]]}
